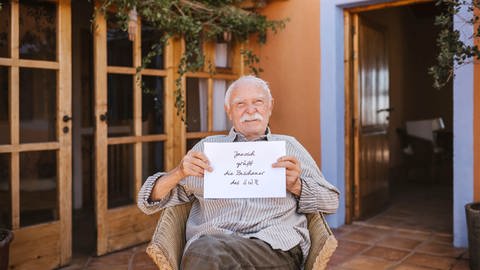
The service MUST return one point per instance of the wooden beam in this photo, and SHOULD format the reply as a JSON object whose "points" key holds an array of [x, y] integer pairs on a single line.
{"points": [[136, 139], [6, 62], [39, 64], [64, 158], [101, 167], [121, 70], [15, 189], [348, 117], [356, 120], [210, 104], [137, 112], [13, 148], [154, 72], [180, 127], [201, 134], [169, 114], [392, 4], [15, 115], [206, 75], [247, 4]]}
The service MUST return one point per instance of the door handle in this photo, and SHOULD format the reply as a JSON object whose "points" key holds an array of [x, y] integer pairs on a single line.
{"points": [[66, 118], [103, 117]]}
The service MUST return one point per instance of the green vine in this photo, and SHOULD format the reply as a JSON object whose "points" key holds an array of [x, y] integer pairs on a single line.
{"points": [[197, 21], [453, 52]]}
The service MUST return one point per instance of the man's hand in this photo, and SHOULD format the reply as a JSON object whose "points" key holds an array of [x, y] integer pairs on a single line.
{"points": [[293, 169], [194, 164]]}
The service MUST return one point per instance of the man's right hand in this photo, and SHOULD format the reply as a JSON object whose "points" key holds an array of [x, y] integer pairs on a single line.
{"points": [[194, 164]]}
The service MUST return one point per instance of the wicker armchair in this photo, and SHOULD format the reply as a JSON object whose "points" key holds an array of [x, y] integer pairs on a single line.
{"points": [[166, 247]]}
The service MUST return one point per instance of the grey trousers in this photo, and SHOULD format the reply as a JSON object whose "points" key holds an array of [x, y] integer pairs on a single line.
{"points": [[214, 252]]}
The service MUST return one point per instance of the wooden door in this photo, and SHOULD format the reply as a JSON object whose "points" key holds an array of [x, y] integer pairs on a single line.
{"points": [[35, 137], [371, 94], [133, 116]]}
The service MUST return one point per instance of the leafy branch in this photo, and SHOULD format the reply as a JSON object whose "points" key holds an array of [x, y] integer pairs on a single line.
{"points": [[453, 52], [196, 21]]}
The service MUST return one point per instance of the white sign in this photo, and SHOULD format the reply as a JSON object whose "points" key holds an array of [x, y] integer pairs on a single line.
{"points": [[244, 170]]}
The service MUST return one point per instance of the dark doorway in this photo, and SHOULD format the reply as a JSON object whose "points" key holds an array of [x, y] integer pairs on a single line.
{"points": [[420, 128], [83, 152]]}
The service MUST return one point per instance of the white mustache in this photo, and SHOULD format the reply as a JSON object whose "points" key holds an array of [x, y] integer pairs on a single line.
{"points": [[251, 117]]}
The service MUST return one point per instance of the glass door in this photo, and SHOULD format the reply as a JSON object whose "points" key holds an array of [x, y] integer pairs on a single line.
{"points": [[35, 137], [132, 129]]}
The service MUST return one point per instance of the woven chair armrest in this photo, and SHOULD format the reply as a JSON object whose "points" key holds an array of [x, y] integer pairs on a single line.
{"points": [[168, 241], [323, 242]]}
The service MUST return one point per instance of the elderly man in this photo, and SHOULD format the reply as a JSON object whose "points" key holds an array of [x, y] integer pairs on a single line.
{"points": [[266, 233]]}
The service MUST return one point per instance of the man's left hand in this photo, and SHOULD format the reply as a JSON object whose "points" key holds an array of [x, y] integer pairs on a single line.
{"points": [[293, 169]]}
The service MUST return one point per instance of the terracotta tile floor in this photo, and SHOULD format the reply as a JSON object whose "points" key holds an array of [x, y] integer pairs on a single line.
{"points": [[413, 233]]}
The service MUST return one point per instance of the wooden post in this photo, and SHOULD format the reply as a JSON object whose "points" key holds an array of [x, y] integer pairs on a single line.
{"points": [[65, 139]]}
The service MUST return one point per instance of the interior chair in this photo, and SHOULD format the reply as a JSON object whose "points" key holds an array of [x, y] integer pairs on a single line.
{"points": [[166, 247], [425, 149]]}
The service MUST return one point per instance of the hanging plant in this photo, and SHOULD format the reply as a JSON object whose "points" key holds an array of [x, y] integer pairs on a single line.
{"points": [[453, 52], [196, 21]]}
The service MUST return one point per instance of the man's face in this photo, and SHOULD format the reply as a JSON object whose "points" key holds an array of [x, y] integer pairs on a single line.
{"points": [[250, 110]]}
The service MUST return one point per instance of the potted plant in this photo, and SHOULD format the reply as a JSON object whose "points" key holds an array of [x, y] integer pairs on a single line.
{"points": [[6, 237], [472, 211]]}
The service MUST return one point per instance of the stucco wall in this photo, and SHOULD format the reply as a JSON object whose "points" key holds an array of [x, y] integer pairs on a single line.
{"points": [[291, 63]]}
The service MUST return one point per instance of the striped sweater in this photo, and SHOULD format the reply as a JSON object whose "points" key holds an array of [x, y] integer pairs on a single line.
{"points": [[278, 221]]}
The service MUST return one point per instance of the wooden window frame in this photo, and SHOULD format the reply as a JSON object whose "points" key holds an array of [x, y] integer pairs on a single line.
{"points": [[220, 73]]}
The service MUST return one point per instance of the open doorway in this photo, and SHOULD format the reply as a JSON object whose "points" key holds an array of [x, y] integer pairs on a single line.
{"points": [[416, 190], [83, 152]]}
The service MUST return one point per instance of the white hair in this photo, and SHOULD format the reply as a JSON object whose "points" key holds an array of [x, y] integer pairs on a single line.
{"points": [[250, 80]]}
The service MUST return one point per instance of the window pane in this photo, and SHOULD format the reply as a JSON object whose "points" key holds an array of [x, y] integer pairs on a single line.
{"points": [[4, 107], [152, 158], [38, 30], [38, 99], [38, 187], [153, 105], [5, 195], [220, 119], [119, 47], [191, 143], [120, 175], [151, 36], [223, 55], [5, 29], [120, 105], [197, 103]]}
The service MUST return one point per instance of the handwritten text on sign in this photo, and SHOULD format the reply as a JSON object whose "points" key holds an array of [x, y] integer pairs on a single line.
{"points": [[244, 170]]}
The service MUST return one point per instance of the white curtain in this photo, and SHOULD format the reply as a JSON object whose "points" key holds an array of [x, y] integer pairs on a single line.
{"points": [[221, 55]]}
